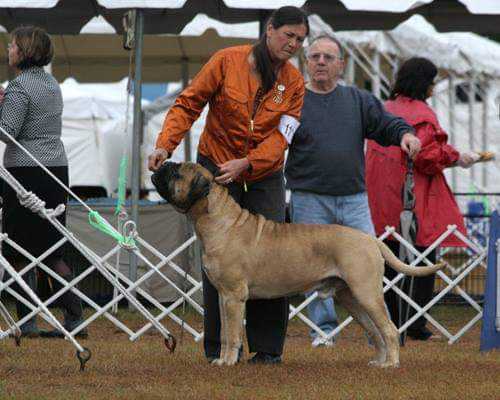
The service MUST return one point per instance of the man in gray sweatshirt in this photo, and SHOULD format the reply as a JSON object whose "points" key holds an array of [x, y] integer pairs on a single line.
{"points": [[325, 169]]}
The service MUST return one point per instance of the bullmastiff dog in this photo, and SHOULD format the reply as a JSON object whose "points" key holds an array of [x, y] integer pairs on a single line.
{"points": [[248, 257]]}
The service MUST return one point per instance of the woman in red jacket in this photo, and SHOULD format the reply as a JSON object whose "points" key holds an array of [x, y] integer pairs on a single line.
{"points": [[386, 167]]}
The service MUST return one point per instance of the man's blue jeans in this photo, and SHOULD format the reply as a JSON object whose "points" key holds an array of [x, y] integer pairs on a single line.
{"points": [[311, 208]]}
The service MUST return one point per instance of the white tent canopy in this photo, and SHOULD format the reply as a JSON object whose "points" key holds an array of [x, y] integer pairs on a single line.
{"points": [[460, 52], [474, 6], [97, 55], [169, 16]]}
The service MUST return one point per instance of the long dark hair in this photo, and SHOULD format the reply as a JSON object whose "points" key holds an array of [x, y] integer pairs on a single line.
{"points": [[35, 46], [287, 15], [414, 78]]}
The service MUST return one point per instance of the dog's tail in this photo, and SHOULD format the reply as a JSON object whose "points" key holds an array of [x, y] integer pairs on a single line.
{"points": [[400, 266]]}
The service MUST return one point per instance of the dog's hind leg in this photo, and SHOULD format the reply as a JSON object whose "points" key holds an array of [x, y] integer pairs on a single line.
{"points": [[345, 298], [372, 301]]}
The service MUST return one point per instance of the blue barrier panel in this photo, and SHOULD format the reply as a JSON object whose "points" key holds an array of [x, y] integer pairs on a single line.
{"points": [[490, 337]]}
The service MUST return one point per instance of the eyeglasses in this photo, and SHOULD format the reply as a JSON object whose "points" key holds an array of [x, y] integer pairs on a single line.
{"points": [[328, 58]]}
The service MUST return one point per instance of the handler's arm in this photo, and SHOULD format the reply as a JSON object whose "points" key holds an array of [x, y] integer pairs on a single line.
{"points": [[189, 105], [383, 127], [269, 152]]}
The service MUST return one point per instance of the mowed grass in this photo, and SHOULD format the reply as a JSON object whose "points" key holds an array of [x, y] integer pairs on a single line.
{"points": [[119, 369]]}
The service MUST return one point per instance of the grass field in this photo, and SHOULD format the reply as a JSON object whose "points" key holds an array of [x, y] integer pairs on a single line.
{"points": [[119, 369]]}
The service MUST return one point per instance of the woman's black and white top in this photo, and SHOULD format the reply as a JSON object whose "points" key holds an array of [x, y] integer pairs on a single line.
{"points": [[32, 113]]}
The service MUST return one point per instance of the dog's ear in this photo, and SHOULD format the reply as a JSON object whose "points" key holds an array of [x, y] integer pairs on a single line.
{"points": [[200, 187]]}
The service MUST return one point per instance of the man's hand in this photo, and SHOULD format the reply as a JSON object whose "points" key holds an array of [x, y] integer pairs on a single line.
{"points": [[467, 159], [410, 144], [231, 170], [156, 159]]}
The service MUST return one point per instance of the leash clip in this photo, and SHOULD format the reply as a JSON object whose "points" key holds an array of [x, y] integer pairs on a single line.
{"points": [[129, 234]]}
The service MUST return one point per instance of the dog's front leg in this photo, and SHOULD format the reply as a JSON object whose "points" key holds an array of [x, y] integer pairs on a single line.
{"points": [[223, 331], [235, 309]]}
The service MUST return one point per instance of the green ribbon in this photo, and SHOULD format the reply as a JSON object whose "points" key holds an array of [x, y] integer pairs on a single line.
{"points": [[122, 185], [98, 222]]}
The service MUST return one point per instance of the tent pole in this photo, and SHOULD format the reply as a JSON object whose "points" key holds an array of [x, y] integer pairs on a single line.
{"points": [[472, 95], [376, 74], [137, 133], [185, 83], [349, 74], [484, 142], [451, 121]]}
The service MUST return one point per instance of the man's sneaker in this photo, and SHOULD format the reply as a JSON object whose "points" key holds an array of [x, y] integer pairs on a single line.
{"points": [[57, 334], [320, 341], [422, 334], [28, 333]]}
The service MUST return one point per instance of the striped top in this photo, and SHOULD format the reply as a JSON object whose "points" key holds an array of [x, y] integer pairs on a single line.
{"points": [[31, 112]]}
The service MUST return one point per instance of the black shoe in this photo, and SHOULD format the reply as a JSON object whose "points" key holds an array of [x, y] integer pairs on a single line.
{"points": [[419, 334], [31, 333], [265, 358], [57, 334]]}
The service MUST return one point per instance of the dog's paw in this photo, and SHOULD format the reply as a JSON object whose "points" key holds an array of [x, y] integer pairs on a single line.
{"points": [[218, 361], [383, 364], [374, 363]]}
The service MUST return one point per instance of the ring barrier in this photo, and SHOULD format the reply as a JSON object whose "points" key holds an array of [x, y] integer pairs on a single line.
{"points": [[477, 255], [36, 205]]}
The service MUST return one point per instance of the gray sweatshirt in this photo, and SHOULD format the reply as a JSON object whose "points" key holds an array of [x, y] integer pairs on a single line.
{"points": [[326, 155]]}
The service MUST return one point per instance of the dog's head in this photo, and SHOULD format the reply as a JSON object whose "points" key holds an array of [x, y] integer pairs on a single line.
{"points": [[182, 184]]}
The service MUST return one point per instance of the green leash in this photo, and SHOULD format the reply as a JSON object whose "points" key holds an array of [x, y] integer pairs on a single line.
{"points": [[98, 222], [122, 185]]}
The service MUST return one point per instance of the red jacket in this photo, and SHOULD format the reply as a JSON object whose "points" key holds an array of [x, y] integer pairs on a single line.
{"points": [[435, 206]]}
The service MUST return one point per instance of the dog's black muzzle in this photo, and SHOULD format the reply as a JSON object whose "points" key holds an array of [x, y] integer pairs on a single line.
{"points": [[164, 181], [163, 177]]}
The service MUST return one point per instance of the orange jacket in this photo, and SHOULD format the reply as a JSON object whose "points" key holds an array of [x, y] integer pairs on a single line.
{"points": [[226, 83]]}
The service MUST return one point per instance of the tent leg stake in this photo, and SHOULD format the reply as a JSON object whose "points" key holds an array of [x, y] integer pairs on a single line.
{"points": [[170, 343], [83, 357]]}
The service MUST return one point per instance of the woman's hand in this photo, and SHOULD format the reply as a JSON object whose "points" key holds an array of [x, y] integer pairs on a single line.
{"points": [[156, 159], [231, 170], [467, 159], [410, 144]]}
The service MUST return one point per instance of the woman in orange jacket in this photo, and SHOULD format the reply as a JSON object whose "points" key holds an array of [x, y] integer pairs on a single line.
{"points": [[255, 96]]}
